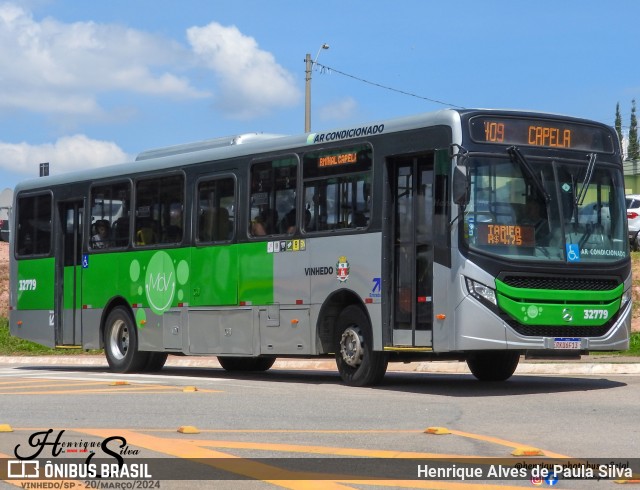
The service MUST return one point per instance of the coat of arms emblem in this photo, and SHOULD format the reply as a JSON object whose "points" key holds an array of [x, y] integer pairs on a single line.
{"points": [[342, 268]]}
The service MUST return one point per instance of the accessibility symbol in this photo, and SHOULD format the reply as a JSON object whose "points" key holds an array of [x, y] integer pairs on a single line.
{"points": [[573, 252]]}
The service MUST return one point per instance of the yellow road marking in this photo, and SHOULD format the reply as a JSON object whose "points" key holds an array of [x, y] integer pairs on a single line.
{"points": [[336, 451], [52, 382], [28, 381], [54, 388], [195, 449], [223, 461], [502, 442]]}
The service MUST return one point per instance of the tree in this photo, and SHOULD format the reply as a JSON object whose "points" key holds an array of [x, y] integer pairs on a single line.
{"points": [[634, 146], [618, 123]]}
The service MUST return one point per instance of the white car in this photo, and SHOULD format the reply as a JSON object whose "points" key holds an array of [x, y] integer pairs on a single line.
{"points": [[633, 218]]}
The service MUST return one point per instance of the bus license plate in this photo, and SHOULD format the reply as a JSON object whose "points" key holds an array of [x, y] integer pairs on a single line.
{"points": [[571, 343]]}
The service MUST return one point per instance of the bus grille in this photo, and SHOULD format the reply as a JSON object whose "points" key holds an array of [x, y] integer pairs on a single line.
{"points": [[561, 283], [559, 331]]}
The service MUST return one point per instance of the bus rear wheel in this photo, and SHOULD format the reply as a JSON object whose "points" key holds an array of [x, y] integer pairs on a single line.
{"points": [[358, 364], [246, 363], [156, 361], [493, 365], [121, 343]]}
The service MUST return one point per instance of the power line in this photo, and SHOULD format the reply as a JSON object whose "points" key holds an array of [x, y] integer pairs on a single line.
{"points": [[328, 68]]}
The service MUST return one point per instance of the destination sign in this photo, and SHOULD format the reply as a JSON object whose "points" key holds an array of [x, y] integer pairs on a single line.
{"points": [[341, 159], [513, 235], [541, 133]]}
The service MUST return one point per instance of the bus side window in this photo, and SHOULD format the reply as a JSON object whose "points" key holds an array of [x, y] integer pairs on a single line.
{"points": [[216, 203], [109, 206], [337, 189], [272, 207], [34, 225], [159, 205]]}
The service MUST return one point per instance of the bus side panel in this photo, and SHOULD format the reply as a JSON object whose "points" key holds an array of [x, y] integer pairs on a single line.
{"points": [[255, 272], [33, 317], [155, 281], [213, 279], [222, 331], [349, 262], [285, 327]]}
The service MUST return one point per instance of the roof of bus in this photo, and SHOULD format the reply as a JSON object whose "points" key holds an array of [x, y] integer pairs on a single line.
{"points": [[252, 143]]}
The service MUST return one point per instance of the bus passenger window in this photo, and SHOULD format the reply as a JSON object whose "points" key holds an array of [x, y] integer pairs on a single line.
{"points": [[34, 225], [216, 203], [272, 205], [159, 208], [337, 189], [109, 206]]}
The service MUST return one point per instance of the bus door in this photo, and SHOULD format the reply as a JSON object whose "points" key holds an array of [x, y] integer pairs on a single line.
{"points": [[68, 303], [412, 249]]}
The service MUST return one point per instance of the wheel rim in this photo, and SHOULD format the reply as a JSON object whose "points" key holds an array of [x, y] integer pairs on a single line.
{"points": [[351, 347], [119, 340]]}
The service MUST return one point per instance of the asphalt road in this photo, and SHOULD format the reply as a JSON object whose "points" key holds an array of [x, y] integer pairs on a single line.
{"points": [[297, 418]]}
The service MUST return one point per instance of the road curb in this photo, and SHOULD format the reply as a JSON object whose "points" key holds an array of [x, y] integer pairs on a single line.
{"points": [[436, 367]]}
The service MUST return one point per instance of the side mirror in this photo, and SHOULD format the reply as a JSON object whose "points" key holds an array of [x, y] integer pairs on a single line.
{"points": [[460, 185]]}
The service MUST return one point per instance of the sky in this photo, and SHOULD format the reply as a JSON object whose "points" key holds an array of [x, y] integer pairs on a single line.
{"points": [[91, 83]]}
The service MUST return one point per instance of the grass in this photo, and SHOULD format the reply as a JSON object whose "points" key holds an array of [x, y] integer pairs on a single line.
{"points": [[13, 346]]}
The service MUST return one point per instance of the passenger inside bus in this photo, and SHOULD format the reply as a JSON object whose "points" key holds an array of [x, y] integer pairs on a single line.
{"points": [[101, 237], [264, 223], [288, 224], [146, 234]]}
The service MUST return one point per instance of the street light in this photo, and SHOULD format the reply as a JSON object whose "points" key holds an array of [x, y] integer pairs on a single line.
{"points": [[307, 92]]}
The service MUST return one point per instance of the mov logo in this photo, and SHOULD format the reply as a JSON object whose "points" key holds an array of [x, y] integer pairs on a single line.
{"points": [[160, 282], [162, 278]]}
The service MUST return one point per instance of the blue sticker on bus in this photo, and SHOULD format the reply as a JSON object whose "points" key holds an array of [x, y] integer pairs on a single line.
{"points": [[573, 252]]}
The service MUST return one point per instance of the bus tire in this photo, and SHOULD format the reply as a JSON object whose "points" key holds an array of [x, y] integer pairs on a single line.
{"points": [[121, 343], [156, 361], [246, 363], [358, 364], [493, 365]]}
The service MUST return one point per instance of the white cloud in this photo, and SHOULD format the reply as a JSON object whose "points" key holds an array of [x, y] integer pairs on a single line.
{"points": [[339, 110], [53, 67], [66, 154], [251, 82]]}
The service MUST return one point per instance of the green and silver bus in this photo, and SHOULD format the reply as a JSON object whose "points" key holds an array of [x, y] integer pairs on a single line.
{"points": [[473, 235]]}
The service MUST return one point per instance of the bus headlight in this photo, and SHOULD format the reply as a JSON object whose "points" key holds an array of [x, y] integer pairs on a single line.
{"points": [[626, 297], [481, 292]]}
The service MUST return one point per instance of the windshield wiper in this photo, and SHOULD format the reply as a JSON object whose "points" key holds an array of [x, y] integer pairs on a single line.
{"points": [[587, 179], [515, 155]]}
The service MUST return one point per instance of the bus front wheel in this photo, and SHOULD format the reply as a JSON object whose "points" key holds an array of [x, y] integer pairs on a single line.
{"points": [[358, 364], [493, 365], [121, 343]]}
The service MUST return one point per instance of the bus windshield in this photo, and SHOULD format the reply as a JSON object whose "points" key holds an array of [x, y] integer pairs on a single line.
{"points": [[546, 210]]}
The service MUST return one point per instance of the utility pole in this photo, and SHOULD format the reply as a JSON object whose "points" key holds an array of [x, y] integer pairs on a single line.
{"points": [[308, 67]]}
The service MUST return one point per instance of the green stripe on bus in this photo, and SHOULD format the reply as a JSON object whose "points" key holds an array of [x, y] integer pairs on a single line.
{"points": [[558, 295], [36, 284], [530, 313]]}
